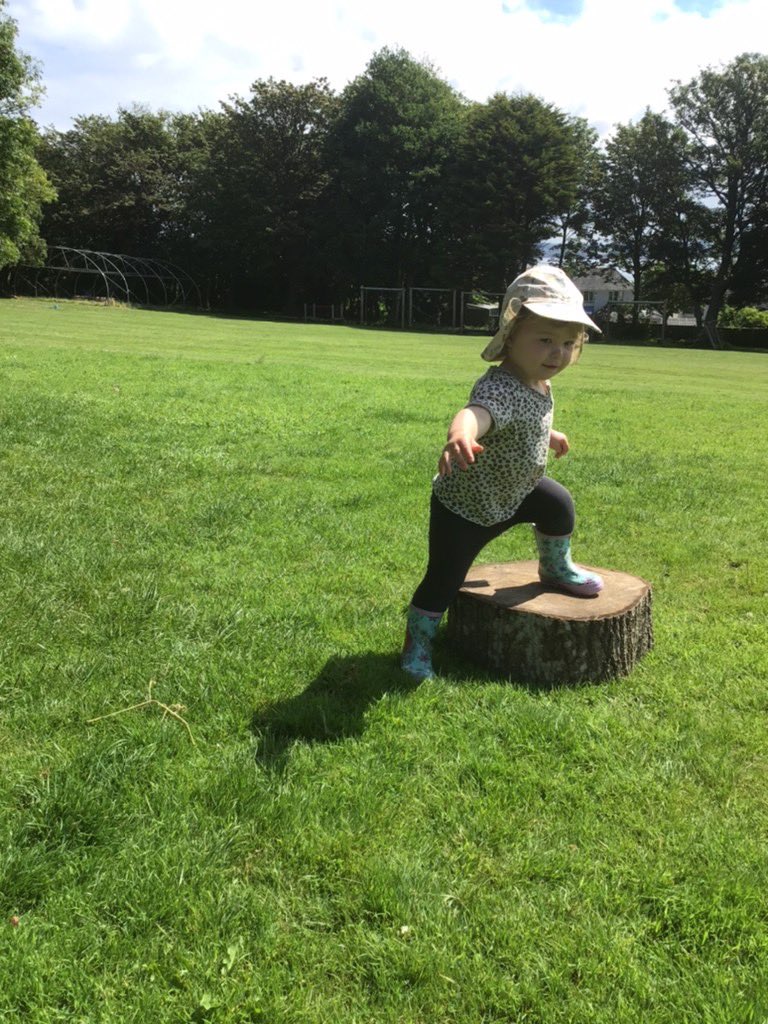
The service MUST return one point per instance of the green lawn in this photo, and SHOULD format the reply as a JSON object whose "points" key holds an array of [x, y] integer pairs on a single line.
{"points": [[229, 517]]}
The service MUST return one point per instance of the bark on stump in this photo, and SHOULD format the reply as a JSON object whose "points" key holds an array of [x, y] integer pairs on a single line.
{"points": [[505, 620]]}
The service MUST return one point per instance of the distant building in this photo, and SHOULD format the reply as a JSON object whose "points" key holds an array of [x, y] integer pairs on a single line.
{"points": [[604, 285]]}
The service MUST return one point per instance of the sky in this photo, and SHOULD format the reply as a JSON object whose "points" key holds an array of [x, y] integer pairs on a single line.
{"points": [[604, 60]]}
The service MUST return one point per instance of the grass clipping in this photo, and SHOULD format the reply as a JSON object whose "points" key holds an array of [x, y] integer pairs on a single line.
{"points": [[174, 710]]}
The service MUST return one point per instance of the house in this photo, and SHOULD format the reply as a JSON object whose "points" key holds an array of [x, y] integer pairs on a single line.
{"points": [[604, 285]]}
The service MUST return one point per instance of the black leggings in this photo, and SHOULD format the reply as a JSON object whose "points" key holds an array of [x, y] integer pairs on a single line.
{"points": [[455, 542]]}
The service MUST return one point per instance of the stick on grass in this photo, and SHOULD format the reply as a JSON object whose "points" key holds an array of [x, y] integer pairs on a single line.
{"points": [[172, 710]]}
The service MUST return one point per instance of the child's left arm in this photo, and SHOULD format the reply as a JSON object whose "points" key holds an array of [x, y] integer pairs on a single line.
{"points": [[558, 443]]}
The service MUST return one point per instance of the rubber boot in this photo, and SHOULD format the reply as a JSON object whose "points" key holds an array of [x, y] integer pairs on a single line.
{"points": [[557, 568], [419, 636]]}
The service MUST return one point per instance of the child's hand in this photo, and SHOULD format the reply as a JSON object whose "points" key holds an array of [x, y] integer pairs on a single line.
{"points": [[461, 451], [558, 443]]}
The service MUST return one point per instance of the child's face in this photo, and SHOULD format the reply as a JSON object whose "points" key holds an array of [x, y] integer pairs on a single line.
{"points": [[541, 348]]}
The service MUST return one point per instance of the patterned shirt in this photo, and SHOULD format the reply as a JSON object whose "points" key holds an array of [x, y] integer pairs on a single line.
{"points": [[515, 451]]}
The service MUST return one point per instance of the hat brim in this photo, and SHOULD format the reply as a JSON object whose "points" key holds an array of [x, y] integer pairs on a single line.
{"points": [[569, 314], [565, 312]]}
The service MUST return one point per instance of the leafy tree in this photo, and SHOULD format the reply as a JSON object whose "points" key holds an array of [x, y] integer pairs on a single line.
{"points": [[228, 195], [186, 232], [724, 114], [117, 181], [24, 188], [575, 222], [749, 280], [683, 247], [642, 181], [254, 198], [396, 127], [512, 182]]}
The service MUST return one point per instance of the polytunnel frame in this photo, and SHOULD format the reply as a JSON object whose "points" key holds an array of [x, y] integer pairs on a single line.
{"points": [[115, 270]]}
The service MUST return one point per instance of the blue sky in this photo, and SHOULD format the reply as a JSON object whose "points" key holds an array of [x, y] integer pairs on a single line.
{"points": [[605, 60], [572, 10], [559, 10]]}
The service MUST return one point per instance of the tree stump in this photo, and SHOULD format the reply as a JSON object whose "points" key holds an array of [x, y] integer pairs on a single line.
{"points": [[505, 620]]}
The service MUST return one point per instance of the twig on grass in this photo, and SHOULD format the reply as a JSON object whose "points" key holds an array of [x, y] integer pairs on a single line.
{"points": [[172, 710]]}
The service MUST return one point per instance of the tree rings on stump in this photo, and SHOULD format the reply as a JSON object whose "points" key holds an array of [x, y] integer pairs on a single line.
{"points": [[505, 620]]}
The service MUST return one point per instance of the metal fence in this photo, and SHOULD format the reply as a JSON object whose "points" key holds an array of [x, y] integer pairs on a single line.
{"points": [[436, 309]]}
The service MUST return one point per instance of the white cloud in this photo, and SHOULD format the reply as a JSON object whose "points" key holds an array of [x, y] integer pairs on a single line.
{"points": [[607, 65], [73, 21]]}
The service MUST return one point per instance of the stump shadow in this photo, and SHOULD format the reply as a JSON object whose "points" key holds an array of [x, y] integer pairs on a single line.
{"points": [[331, 708], [511, 597]]}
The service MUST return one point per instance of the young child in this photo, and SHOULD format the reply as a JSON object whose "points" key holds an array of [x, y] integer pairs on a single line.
{"points": [[481, 490]]}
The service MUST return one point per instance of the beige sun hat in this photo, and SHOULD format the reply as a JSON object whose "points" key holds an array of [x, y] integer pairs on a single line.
{"points": [[546, 291]]}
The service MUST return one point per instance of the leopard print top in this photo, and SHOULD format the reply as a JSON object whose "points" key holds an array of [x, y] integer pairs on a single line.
{"points": [[515, 451]]}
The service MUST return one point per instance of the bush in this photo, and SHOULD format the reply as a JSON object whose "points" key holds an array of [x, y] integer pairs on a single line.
{"points": [[747, 317]]}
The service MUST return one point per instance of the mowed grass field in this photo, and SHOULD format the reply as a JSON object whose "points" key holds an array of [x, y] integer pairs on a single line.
{"points": [[227, 518]]}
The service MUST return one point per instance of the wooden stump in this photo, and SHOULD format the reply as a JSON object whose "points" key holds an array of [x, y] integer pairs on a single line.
{"points": [[504, 619]]}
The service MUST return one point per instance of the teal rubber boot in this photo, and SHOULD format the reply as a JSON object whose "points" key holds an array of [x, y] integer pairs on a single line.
{"points": [[556, 567], [419, 636]]}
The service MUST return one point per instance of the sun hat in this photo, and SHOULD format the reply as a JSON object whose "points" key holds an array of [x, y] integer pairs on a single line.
{"points": [[544, 290]]}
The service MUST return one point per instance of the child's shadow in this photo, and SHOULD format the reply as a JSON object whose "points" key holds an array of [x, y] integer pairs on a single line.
{"points": [[331, 708]]}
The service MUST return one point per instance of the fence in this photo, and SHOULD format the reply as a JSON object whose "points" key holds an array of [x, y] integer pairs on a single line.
{"points": [[436, 309], [684, 336], [446, 309]]}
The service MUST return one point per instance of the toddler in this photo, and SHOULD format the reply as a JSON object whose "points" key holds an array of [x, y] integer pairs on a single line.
{"points": [[481, 490]]}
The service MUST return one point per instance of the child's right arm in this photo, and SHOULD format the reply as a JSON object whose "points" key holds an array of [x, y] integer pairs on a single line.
{"points": [[469, 424]]}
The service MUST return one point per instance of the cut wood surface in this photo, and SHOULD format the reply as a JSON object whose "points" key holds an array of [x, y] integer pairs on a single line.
{"points": [[505, 620]]}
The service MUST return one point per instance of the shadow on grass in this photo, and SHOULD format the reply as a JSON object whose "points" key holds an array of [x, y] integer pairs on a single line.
{"points": [[276, 317], [331, 708]]}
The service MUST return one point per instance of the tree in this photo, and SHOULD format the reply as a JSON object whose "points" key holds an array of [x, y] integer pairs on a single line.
{"points": [[642, 171], [387, 150], [255, 197], [511, 181], [24, 188], [229, 195], [749, 281], [576, 219], [116, 181], [724, 114], [682, 250]]}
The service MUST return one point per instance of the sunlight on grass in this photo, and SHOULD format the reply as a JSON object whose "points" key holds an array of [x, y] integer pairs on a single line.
{"points": [[235, 512]]}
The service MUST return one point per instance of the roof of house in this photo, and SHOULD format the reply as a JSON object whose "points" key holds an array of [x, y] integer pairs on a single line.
{"points": [[602, 278]]}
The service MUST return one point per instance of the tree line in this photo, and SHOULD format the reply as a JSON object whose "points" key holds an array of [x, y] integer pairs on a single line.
{"points": [[300, 193]]}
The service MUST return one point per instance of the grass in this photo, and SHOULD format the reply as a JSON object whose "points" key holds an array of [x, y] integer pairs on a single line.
{"points": [[234, 513]]}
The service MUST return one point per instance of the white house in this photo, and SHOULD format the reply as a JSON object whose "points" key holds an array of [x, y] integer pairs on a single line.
{"points": [[603, 285]]}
